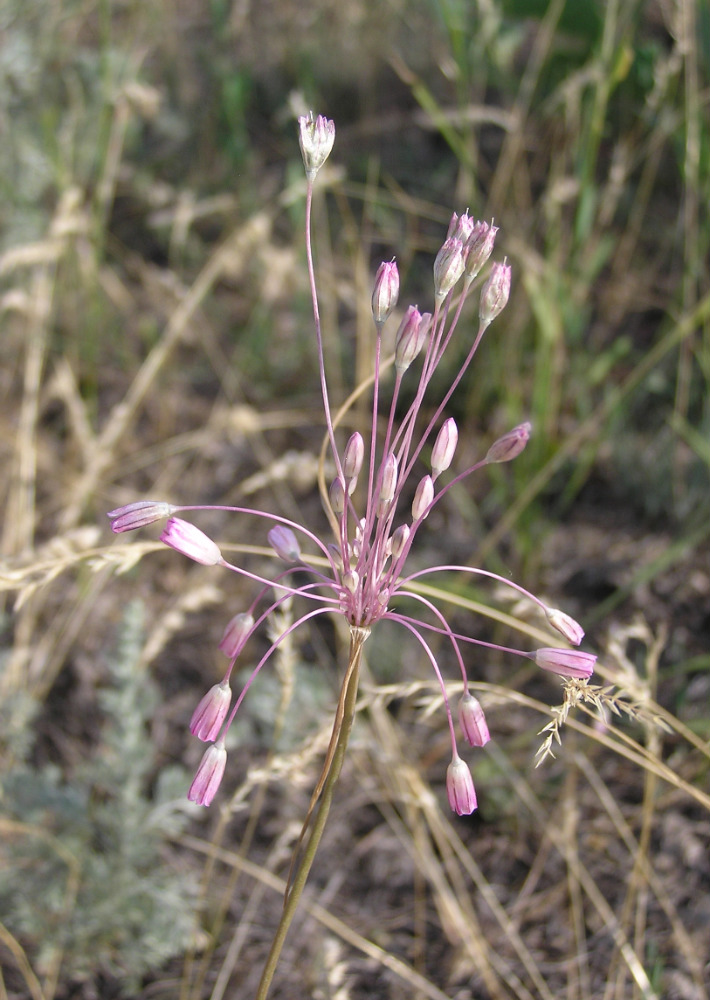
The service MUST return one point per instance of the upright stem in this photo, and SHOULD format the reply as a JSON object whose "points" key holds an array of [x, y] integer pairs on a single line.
{"points": [[336, 754]]}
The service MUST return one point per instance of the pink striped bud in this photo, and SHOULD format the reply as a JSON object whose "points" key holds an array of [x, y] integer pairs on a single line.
{"points": [[193, 543], [211, 712], [236, 634], [138, 514], [315, 137], [352, 460], [444, 447], [566, 662], [448, 267], [423, 497], [410, 338], [209, 775], [479, 247], [336, 494], [494, 294], [283, 541], [389, 479], [399, 540], [510, 445], [473, 721], [459, 787], [565, 625], [385, 293], [461, 227]]}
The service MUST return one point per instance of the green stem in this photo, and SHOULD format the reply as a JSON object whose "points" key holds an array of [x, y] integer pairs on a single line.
{"points": [[343, 725]]}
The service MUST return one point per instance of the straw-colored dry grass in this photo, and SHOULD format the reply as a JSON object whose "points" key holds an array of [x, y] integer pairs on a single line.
{"points": [[156, 343]]}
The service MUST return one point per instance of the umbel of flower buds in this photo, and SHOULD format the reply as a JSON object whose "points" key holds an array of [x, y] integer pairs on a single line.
{"points": [[385, 293], [315, 137]]}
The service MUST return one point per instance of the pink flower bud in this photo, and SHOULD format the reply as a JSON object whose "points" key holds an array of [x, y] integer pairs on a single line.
{"points": [[315, 137], [461, 227], [473, 721], [448, 267], [138, 514], [385, 293], [193, 543], [351, 580], [566, 662], [399, 540], [410, 338], [209, 775], [423, 497], [565, 625], [459, 787], [389, 479], [236, 634], [283, 541], [211, 712], [352, 459], [479, 247], [336, 494], [444, 447], [494, 294], [510, 445]]}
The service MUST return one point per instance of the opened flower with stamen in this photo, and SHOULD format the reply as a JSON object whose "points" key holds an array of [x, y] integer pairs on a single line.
{"points": [[363, 570]]}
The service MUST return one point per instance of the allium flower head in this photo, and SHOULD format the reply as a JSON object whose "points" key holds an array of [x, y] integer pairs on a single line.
{"points": [[363, 572]]}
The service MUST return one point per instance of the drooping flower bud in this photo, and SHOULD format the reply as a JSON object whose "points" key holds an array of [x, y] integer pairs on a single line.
{"points": [[410, 338], [352, 460], [444, 447], [448, 267], [193, 543], [423, 496], [510, 445], [479, 248], [236, 634], [315, 137], [494, 294], [336, 495], [473, 721], [284, 543], [459, 787], [211, 712], [399, 540], [209, 775], [137, 514], [565, 625], [385, 292], [566, 662]]}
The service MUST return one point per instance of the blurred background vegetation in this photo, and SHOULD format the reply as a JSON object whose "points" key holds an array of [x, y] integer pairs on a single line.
{"points": [[157, 342]]}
